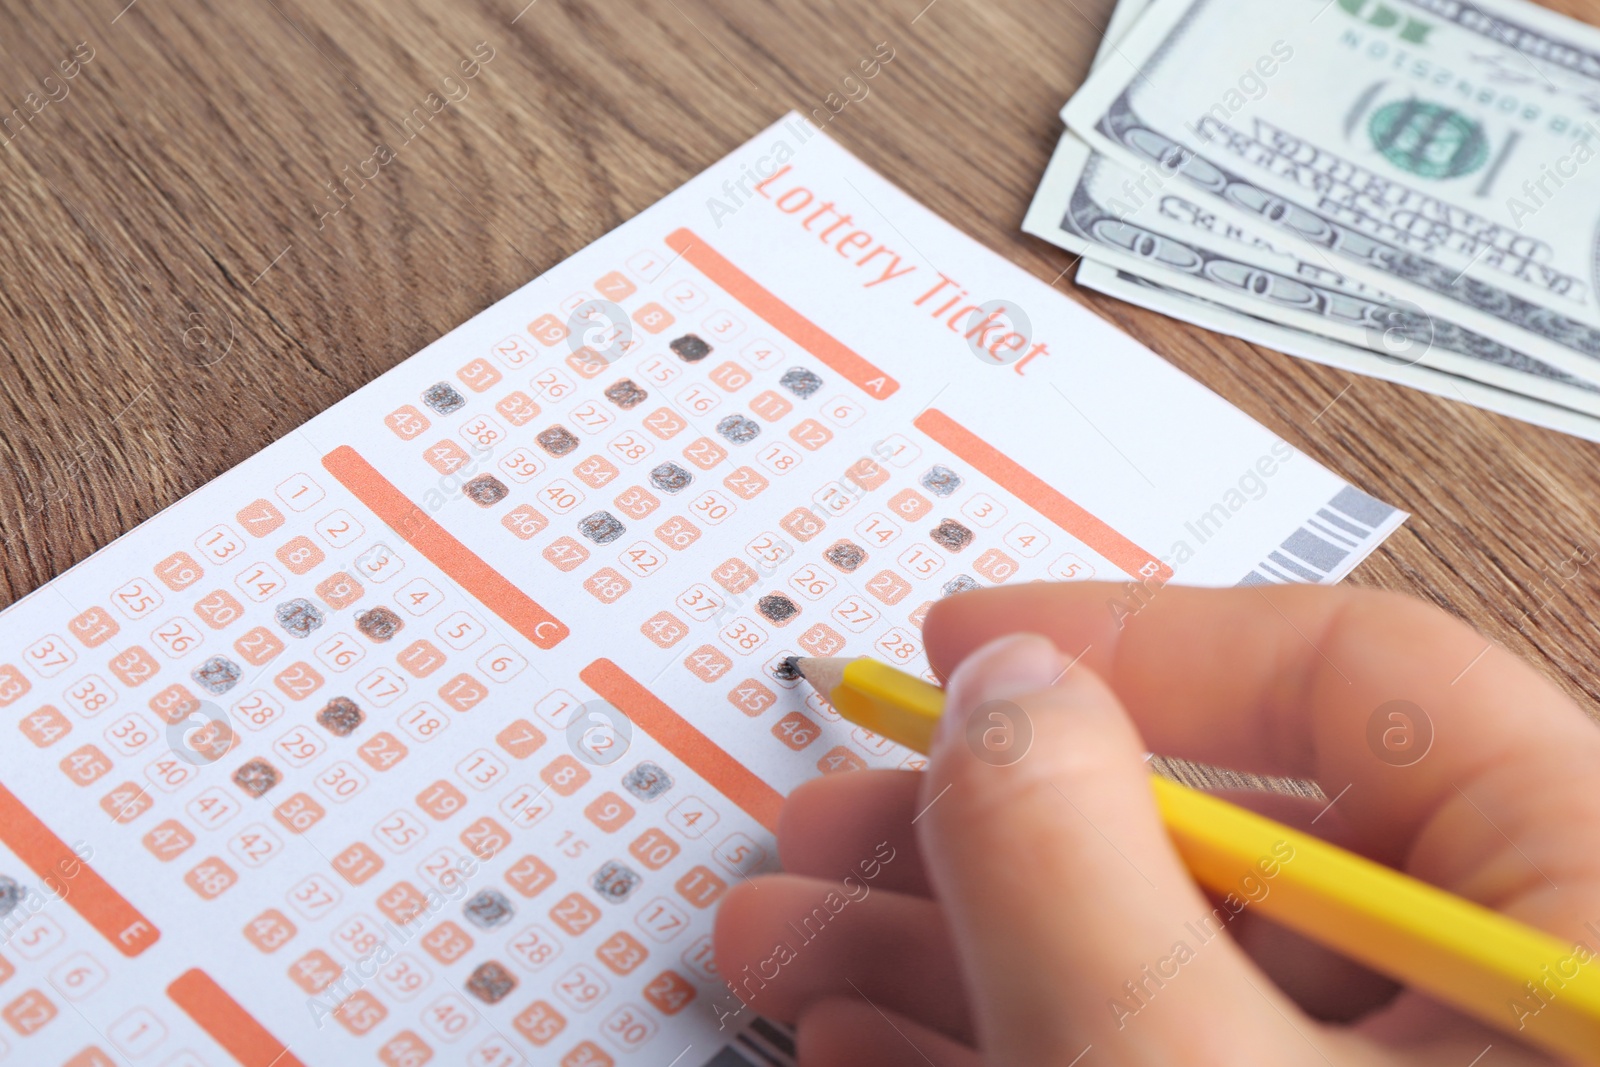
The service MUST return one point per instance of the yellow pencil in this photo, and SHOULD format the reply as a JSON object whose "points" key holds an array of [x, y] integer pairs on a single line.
{"points": [[1510, 976]]}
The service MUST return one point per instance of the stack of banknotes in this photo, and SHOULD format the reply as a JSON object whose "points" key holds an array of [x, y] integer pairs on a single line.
{"points": [[1405, 188]]}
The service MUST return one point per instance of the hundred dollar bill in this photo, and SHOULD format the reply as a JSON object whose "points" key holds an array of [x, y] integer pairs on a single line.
{"points": [[1241, 310], [1231, 303], [1440, 150], [1149, 294], [1181, 244]]}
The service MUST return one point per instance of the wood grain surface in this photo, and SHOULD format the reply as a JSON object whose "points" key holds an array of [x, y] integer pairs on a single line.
{"points": [[176, 291]]}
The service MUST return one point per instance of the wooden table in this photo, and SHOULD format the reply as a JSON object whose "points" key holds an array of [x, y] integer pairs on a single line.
{"points": [[172, 298]]}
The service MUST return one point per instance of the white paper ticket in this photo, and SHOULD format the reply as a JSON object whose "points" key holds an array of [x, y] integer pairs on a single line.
{"points": [[435, 731]]}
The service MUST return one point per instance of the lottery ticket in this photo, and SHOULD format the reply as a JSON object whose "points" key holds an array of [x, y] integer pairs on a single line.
{"points": [[436, 731]]}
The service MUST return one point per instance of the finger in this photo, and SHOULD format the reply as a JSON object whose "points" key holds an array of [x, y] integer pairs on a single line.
{"points": [[1324, 984], [784, 942], [1432, 1035], [1289, 680], [855, 823], [832, 825], [1075, 922], [856, 1033]]}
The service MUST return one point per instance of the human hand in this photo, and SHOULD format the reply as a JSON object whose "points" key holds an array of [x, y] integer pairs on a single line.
{"points": [[1032, 912]]}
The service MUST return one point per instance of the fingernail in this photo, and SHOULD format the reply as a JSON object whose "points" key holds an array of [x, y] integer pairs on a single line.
{"points": [[1005, 668]]}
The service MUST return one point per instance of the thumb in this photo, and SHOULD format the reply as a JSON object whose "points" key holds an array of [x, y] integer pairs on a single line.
{"points": [[1074, 919]]}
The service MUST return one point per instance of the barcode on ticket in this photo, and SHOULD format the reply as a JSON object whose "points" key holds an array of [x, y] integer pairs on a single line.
{"points": [[765, 1044], [1326, 545]]}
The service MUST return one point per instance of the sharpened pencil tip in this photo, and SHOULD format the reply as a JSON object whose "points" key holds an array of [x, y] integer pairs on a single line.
{"points": [[824, 673]]}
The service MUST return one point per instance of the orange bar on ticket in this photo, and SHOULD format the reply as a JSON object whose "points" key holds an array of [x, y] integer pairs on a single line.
{"points": [[1033, 491], [799, 329], [514, 607], [681, 738], [67, 875], [229, 1025]]}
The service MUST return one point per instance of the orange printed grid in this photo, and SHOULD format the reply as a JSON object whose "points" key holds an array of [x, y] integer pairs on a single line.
{"points": [[229, 1025], [795, 326], [680, 737], [88, 894], [1031, 490], [465, 567]]}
